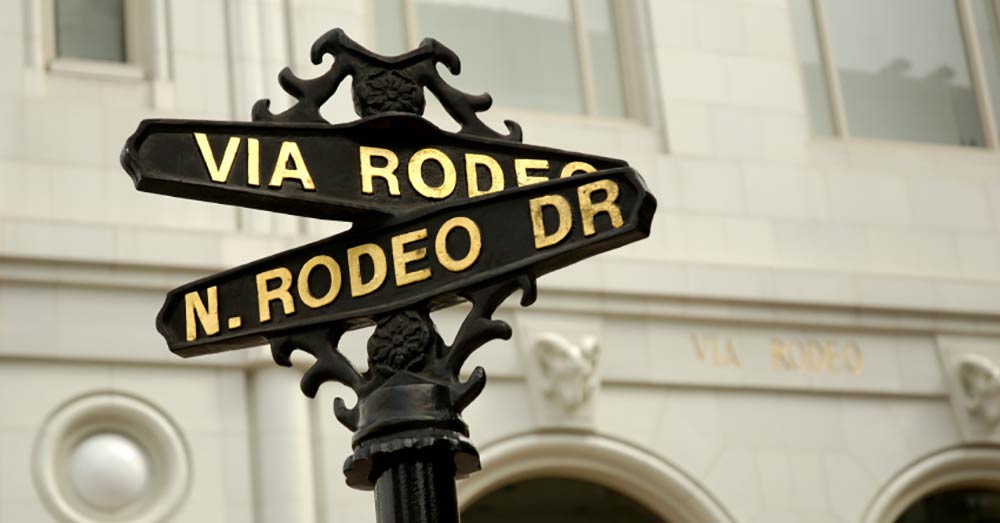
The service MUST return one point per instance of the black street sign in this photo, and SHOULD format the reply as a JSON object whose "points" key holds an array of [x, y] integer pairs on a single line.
{"points": [[426, 256], [382, 165], [438, 217]]}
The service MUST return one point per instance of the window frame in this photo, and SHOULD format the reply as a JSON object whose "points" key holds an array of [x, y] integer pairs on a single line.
{"points": [[973, 52], [624, 16], [135, 66]]}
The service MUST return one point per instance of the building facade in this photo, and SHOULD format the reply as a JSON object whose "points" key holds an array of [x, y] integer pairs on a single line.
{"points": [[810, 334]]}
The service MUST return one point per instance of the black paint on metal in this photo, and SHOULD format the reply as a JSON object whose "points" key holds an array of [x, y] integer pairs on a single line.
{"points": [[508, 250], [162, 157], [383, 84], [419, 488], [410, 442], [411, 397]]}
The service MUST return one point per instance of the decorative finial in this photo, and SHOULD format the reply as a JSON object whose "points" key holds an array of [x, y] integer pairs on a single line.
{"points": [[383, 84]]}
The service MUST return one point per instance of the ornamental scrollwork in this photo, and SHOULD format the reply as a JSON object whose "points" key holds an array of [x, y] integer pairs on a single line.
{"points": [[383, 84]]}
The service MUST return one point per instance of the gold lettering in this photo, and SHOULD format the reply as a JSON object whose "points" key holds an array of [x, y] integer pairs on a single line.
{"points": [[401, 257], [699, 351], [809, 354], [854, 357], [781, 358], [417, 175], [572, 168], [523, 165], [830, 357], [814, 355], [589, 209], [729, 358], [253, 162], [290, 150], [218, 172], [265, 296], [560, 204], [441, 244], [207, 315], [354, 254], [305, 293], [708, 349], [472, 162], [387, 173]]}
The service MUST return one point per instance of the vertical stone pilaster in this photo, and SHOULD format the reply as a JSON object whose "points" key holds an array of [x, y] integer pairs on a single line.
{"points": [[284, 475]]}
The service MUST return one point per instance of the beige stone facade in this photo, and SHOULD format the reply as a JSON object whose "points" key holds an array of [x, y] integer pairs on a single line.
{"points": [[811, 333]]}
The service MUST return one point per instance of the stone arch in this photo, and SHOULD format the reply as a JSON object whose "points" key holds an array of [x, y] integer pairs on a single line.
{"points": [[955, 467], [660, 486]]}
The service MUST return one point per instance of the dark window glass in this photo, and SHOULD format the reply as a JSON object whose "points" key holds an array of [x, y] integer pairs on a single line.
{"points": [[525, 52], [901, 65], [90, 29], [557, 500], [955, 506]]}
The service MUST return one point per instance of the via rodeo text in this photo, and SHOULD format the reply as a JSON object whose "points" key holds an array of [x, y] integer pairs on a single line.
{"points": [[406, 259]]}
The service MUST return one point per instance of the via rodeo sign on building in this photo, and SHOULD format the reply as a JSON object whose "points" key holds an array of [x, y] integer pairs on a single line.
{"points": [[434, 212]]}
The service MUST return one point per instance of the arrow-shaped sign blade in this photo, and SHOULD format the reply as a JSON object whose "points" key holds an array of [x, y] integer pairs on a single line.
{"points": [[425, 257], [385, 165]]}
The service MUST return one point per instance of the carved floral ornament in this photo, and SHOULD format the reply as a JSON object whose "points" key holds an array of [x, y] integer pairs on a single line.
{"points": [[569, 369], [980, 381]]}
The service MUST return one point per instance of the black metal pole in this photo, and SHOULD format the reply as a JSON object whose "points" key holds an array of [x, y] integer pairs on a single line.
{"points": [[420, 488]]}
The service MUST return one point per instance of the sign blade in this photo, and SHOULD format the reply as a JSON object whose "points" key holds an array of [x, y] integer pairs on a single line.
{"points": [[425, 257], [379, 166]]}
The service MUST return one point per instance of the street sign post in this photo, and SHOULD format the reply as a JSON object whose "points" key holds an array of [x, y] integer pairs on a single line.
{"points": [[438, 218]]}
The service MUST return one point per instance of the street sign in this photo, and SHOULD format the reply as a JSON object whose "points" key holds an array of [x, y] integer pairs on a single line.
{"points": [[438, 217], [428, 256], [381, 165]]}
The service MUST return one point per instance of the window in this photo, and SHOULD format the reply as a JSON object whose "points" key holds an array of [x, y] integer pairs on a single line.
{"points": [[915, 70], [90, 29], [545, 500], [557, 55], [95, 36], [955, 506]]}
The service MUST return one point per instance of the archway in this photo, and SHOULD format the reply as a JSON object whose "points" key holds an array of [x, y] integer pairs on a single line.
{"points": [[660, 487], [957, 471]]}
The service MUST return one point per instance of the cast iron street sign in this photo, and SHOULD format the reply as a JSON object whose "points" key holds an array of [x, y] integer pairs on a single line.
{"points": [[438, 218], [378, 166], [359, 275]]}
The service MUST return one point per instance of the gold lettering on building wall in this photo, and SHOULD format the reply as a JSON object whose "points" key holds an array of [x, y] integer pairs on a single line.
{"points": [[807, 355], [718, 351], [829, 356]]}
